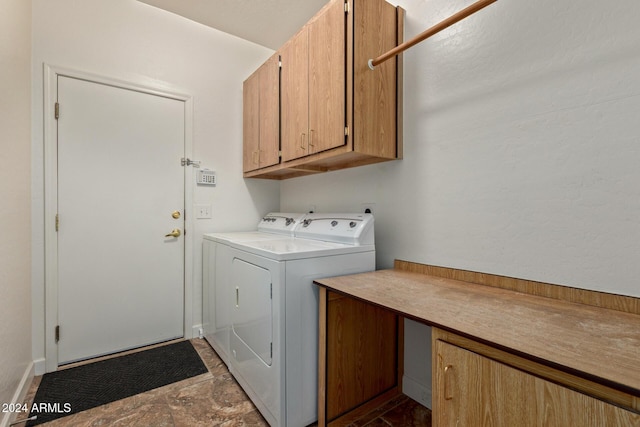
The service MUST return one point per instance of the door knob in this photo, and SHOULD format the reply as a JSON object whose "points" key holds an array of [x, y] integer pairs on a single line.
{"points": [[175, 214], [174, 233]]}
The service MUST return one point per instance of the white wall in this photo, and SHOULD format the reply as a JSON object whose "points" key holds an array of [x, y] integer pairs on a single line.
{"points": [[132, 41], [15, 178], [522, 150]]}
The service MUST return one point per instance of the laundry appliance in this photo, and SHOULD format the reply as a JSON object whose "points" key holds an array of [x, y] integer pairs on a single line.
{"points": [[217, 321], [261, 306]]}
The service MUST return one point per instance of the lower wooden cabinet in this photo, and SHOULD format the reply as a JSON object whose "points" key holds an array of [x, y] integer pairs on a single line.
{"points": [[577, 366], [471, 389], [358, 358]]}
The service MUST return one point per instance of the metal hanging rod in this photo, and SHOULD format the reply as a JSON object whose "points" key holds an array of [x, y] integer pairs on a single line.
{"points": [[470, 10]]}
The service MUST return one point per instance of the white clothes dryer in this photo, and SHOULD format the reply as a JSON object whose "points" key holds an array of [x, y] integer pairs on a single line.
{"points": [[216, 321], [265, 307]]}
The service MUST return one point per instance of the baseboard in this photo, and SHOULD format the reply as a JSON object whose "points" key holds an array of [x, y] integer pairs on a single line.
{"points": [[417, 391], [40, 366], [196, 332], [19, 395]]}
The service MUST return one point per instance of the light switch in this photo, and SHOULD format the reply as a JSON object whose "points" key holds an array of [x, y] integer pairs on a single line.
{"points": [[203, 211]]}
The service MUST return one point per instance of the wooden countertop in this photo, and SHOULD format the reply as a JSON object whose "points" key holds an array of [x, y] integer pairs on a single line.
{"points": [[600, 344]]}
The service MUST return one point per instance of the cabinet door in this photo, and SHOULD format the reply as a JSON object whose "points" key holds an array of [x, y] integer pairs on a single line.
{"points": [[269, 74], [361, 353], [327, 68], [470, 389], [251, 122], [295, 97]]}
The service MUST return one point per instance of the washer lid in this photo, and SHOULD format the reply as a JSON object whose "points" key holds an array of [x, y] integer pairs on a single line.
{"points": [[241, 236], [295, 248]]}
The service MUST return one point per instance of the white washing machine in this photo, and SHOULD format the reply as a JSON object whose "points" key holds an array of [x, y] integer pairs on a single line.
{"points": [[263, 306]]}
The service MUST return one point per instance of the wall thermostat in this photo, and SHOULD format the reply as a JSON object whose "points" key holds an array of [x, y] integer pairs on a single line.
{"points": [[206, 177]]}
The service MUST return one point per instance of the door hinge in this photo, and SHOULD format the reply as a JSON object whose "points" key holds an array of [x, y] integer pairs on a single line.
{"points": [[279, 153], [57, 333], [346, 131], [271, 351], [56, 111], [271, 291], [57, 222], [346, 7], [189, 162]]}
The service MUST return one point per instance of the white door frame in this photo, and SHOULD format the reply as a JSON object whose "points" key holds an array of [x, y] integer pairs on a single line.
{"points": [[51, 74]]}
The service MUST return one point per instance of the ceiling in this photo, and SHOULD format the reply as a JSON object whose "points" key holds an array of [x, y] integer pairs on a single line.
{"points": [[269, 23]]}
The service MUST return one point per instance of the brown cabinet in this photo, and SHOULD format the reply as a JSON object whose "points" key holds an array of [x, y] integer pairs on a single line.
{"points": [[576, 366], [313, 86], [335, 112], [261, 132], [359, 352], [475, 389]]}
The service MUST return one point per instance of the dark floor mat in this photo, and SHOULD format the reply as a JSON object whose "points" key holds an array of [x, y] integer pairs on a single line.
{"points": [[73, 390]]}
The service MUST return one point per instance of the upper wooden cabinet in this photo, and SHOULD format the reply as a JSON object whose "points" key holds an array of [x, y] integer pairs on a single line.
{"points": [[261, 131], [313, 86], [294, 88], [335, 112]]}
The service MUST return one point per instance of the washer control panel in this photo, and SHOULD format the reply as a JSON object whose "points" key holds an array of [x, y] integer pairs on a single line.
{"points": [[280, 222], [351, 229]]}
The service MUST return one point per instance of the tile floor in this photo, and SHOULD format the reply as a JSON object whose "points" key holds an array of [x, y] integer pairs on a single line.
{"points": [[211, 399]]}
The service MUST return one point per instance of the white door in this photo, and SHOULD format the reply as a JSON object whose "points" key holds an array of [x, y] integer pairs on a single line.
{"points": [[120, 187]]}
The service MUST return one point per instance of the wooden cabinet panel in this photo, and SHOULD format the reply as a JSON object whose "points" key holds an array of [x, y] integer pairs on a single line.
{"points": [[295, 96], [251, 122], [470, 389], [327, 68], [361, 353], [269, 113], [375, 91], [261, 116]]}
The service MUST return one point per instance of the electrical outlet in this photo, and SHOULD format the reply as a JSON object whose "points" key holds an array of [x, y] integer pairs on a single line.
{"points": [[367, 207], [202, 211]]}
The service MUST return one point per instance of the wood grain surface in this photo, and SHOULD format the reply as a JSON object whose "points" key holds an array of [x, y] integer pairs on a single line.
{"points": [[599, 344]]}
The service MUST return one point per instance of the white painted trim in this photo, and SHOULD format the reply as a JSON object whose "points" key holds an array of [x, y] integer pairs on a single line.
{"points": [[189, 218], [19, 395], [417, 391], [197, 331], [50, 209], [51, 74], [39, 366]]}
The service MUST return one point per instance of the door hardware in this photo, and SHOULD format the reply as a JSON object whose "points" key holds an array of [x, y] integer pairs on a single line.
{"points": [[175, 214], [189, 162], [174, 233]]}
